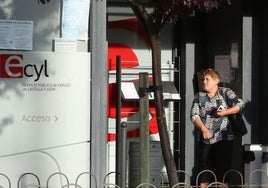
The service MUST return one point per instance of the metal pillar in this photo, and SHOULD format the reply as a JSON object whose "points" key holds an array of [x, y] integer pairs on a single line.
{"points": [[123, 169], [118, 122], [98, 49]]}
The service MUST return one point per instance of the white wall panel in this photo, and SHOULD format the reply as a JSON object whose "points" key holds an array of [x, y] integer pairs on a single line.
{"points": [[45, 124]]}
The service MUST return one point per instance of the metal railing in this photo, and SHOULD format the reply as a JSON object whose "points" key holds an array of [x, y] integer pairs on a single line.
{"points": [[92, 181]]}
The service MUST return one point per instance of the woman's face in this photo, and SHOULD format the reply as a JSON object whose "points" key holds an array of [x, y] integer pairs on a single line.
{"points": [[210, 84]]}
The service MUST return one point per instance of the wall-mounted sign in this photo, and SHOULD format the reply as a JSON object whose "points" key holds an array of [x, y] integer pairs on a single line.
{"points": [[46, 100]]}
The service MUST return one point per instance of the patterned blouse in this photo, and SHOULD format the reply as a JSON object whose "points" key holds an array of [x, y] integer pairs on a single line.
{"points": [[205, 108]]}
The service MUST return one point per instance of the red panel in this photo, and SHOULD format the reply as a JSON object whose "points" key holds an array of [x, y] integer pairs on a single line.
{"points": [[128, 57]]}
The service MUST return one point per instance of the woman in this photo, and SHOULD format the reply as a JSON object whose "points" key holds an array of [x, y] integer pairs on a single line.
{"points": [[209, 114]]}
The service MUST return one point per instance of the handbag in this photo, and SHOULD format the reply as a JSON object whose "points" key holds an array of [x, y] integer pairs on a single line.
{"points": [[238, 124]]}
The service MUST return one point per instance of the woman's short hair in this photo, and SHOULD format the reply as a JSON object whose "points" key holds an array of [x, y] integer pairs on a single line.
{"points": [[213, 73]]}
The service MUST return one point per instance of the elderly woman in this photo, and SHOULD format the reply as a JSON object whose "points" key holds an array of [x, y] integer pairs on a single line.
{"points": [[209, 114]]}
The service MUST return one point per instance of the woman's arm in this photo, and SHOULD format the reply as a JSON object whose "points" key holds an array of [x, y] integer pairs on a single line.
{"points": [[232, 110]]}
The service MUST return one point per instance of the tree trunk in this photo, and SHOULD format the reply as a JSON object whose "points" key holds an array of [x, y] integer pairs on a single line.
{"points": [[160, 111], [153, 30]]}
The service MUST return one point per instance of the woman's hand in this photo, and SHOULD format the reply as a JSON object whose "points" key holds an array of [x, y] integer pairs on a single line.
{"points": [[206, 133], [221, 112]]}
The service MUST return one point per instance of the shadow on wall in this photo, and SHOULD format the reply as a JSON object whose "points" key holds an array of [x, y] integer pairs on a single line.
{"points": [[6, 90], [46, 23]]}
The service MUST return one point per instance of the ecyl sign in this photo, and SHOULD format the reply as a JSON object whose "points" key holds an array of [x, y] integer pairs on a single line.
{"points": [[12, 66], [53, 110]]}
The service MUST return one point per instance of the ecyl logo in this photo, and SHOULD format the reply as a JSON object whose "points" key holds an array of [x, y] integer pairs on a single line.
{"points": [[11, 66]]}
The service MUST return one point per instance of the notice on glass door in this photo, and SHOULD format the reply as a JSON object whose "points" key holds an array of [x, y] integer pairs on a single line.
{"points": [[16, 35], [75, 23], [222, 65]]}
